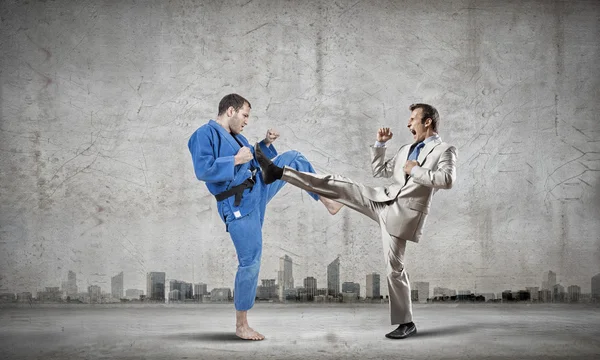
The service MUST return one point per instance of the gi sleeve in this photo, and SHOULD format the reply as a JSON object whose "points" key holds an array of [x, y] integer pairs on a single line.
{"points": [[207, 166]]}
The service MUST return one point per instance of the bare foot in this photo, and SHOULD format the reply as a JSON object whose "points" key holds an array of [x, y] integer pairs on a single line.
{"points": [[247, 333], [332, 206]]}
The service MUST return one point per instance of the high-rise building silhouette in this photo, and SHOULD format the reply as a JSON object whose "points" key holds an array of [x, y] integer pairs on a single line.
{"points": [[200, 290], [550, 281], [422, 290], [287, 276], [558, 293], [180, 290], [188, 290], [534, 292], [545, 295], [333, 278], [155, 286], [310, 284], [95, 294], [372, 288], [574, 293], [116, 286], [71, 290], [596, 287]]}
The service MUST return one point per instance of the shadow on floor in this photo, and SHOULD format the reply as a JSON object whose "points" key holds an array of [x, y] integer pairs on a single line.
{"points": [[207, 337], [442, 331], [445, 331]]}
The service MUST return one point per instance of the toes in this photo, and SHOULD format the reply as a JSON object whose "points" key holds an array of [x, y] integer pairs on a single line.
{"points": [[251, 335]]}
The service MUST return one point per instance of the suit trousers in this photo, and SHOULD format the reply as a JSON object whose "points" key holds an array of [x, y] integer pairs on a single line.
{"points": [[349, 193]]}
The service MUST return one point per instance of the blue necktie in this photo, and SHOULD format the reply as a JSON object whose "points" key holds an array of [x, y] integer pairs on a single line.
{"points": [[415, 153]]}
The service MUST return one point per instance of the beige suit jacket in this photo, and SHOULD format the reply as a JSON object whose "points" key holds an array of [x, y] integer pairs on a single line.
{"points": [[409, 197]]}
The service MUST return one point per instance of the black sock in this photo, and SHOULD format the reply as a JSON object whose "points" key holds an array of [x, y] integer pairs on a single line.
{"points": [[276, 171], [263, 160]]}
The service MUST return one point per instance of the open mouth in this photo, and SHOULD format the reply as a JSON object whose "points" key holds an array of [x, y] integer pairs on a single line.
{"points": [[413, 132]]}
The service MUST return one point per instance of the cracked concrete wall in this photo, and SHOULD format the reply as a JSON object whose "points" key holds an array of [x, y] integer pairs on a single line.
{"points": [[98, 100]]}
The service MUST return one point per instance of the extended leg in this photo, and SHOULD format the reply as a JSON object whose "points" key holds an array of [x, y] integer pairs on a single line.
{"points": [[294, 160], [334, 187]]}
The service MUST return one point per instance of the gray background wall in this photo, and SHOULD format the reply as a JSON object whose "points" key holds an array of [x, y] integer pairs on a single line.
{"points": [[99, 98]]}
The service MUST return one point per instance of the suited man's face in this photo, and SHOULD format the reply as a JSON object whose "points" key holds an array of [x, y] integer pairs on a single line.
{"points": [[418, 130]]}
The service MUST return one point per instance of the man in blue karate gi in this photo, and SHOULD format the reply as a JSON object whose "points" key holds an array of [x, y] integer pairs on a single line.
{"points": [[224, 160]]}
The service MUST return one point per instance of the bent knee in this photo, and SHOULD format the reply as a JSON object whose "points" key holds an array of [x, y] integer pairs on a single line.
{"points": [[396, 265], [290, 155]]}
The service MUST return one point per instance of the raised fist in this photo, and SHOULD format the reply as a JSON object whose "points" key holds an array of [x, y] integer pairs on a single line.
{"points": [[384, 134], [271, 136]]}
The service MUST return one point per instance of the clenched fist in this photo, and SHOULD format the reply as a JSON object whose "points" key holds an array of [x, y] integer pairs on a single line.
{"points": [[384, 134], [409, 165], [243, 156], [271, 136]]}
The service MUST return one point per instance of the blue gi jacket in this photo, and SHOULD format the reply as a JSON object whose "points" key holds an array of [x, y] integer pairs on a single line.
{"points": [[213, 150]]}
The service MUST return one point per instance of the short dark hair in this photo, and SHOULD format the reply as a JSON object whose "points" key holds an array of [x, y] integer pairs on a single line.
{"points": [[429, 112], [234, 100]]}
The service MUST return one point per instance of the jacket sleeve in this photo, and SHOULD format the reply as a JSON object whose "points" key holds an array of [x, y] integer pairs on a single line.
{"points": [[207, 167], [269, 151], [443, 177], [381, 167]]}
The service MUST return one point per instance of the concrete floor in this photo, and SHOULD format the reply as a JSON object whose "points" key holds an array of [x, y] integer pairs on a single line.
{"points": [[483, 331]]}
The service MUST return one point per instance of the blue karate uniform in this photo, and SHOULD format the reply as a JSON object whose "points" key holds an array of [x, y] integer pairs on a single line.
{"points": [[213, 150]]}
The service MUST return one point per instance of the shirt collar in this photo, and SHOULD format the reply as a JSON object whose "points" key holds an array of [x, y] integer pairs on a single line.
{"points": [[431, 138]]}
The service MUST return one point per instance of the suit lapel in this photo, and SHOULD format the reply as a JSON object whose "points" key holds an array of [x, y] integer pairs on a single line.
{"points": [[225, 135], [403, 153], [427, 149], [402, 157]]}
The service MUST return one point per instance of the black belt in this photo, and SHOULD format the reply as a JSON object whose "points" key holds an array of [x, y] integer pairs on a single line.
{"points": [[237, 190]]}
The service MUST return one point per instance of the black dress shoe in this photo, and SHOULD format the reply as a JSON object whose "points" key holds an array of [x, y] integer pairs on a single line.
{"points": [[270, 171], [403, 331]]}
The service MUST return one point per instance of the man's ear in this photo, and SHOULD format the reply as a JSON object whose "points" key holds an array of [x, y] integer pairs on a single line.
{"points": [[230, 111], [428, 122]]}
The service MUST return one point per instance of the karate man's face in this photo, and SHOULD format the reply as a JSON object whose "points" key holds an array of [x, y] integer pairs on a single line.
{"points": [[239, 119], [418, 129]]}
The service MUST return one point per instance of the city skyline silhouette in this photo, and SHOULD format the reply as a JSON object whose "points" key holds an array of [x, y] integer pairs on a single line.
{"points": [[284, 287]]}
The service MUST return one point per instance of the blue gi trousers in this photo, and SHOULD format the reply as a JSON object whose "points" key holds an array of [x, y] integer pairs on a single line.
{"points": [[246, 232]]}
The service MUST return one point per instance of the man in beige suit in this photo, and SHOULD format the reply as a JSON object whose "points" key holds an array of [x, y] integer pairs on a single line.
{"points": [[418, 170]]}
